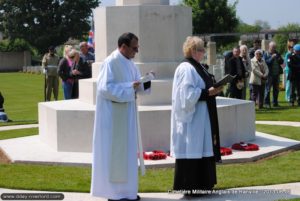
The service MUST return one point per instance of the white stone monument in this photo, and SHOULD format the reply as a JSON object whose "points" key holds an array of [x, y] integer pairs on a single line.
{"points": [[162, 29], [68, 125]]}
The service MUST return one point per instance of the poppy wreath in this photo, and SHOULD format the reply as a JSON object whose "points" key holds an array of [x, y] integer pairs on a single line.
{"points": [[225, 151], [155, 155], [242, 146]]}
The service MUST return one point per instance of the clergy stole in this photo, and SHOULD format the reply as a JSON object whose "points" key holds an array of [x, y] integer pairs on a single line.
{"points": [[119, 148], [119, 160]]}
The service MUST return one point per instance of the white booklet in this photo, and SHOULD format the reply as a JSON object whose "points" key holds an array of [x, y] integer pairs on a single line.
{"points": [[148, 77]]}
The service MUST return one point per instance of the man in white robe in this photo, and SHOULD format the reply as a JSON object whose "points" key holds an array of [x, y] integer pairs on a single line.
{"points": [[115, 167]]}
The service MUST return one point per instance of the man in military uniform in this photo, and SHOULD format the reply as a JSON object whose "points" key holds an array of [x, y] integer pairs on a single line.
{"points": [[50, 63]]}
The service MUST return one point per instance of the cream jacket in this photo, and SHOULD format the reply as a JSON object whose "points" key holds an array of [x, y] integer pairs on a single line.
{"points": [[258, 72]]}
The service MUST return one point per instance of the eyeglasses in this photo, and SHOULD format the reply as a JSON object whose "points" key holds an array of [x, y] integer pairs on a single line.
{"points": [[200, 50], [136, 49], [290, 47]]}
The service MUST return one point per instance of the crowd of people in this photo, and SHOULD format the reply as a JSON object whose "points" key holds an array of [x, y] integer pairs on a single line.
{"points": [[74, 65], [261, 71]]}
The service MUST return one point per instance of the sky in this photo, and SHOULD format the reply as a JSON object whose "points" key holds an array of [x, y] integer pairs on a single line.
{"points": [[276, 12]]}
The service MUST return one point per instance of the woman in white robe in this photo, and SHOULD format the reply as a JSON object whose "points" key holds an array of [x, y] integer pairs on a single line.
{"points": [[115, 167], [194, 125]]}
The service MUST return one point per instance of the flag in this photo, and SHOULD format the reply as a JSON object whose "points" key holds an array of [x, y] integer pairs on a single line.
{"points": [[91, 39]]}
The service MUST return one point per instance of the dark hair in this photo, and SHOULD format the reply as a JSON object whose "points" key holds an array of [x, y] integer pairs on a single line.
{"points": [[236, 47], [257, 41], [126, 39], [51, 48]]}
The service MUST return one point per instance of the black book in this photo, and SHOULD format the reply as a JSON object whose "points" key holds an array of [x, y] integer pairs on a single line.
{"points": [[226, 79]]}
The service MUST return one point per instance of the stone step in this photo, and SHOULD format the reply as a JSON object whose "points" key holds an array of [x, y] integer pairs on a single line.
{"points": [[163, 70], [88, 90], [161, 92], [68, 125]]}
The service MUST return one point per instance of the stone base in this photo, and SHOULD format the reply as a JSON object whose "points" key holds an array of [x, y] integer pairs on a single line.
{"points": [[236, 120], [68, 125], [32, 150], [161, 88]]}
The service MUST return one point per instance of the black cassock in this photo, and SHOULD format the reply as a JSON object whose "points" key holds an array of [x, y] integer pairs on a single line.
{"points": [[200, 174]]}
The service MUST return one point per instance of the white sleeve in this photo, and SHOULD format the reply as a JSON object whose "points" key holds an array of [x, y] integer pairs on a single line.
{"points": [[186, 93], [112, 90]]}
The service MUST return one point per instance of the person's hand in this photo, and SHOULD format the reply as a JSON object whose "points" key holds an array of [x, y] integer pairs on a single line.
{"points": [[212, 91], [136, 84], [76, 72]]}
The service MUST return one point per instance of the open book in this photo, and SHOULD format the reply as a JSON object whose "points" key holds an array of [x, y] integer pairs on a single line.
{"points": [[148, 77], [145, 80], [226, 79]]}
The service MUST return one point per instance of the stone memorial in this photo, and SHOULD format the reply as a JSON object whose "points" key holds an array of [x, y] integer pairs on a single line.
{"points": [[67, 126]]}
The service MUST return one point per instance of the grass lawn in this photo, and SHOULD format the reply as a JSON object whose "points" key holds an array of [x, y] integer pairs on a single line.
{"points": [[77, 179], [282, 113], [22, 93], [61, 178], [18, 133], [283, 131]]}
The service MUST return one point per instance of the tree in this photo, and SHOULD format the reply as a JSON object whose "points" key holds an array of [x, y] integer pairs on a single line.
{"points": [[281, 39], [246, 28], [213, 16], [47, 22], [264, 25]]}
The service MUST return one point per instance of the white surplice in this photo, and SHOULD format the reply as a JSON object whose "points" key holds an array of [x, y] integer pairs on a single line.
{"points": [[190, 124], [110, 90]]}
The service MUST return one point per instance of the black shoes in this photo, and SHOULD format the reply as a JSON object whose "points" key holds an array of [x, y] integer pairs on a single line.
{"points": [[125, 199]]}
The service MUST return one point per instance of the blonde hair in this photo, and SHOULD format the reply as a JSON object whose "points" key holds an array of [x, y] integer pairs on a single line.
{"points": [[72, 53], [290, 43], [192, 43], [67, 49], [244, 47]]}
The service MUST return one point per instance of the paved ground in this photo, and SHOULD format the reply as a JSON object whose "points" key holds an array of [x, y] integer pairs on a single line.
{"points": [[5, 128], [281, 123], [257, 193]]}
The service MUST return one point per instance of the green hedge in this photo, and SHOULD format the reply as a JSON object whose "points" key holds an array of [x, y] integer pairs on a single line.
{"points": [[16, 45]]}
